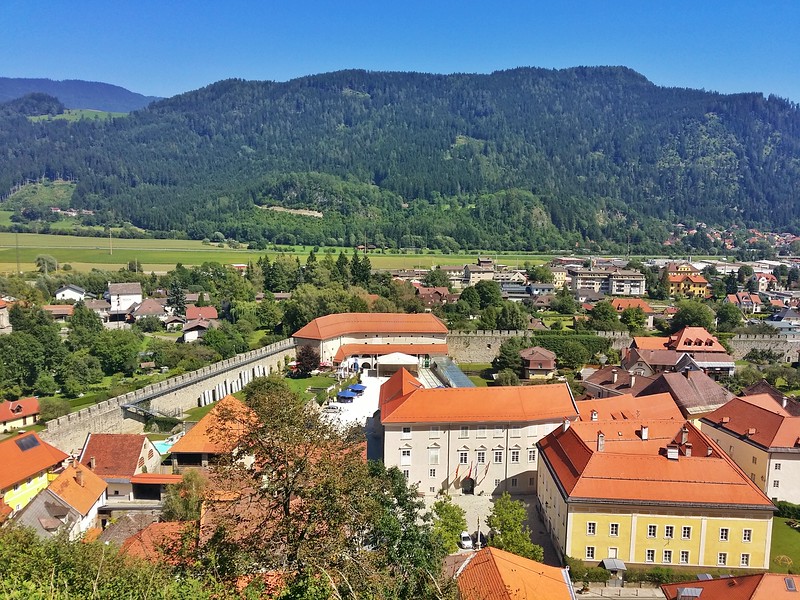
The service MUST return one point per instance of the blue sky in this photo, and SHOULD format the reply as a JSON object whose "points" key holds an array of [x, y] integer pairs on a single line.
{"points": [[166, 47]]}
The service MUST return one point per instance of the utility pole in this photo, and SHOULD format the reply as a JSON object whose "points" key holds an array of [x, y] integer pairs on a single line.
{"points": [[16, 238], [110, 246]]}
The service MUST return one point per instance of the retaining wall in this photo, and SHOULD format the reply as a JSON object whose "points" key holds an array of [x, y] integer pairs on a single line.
{"points": [[787, 345], [171, 396]]}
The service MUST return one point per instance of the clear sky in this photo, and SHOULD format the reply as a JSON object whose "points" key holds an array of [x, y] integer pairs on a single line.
{"points": [[164, 47]]}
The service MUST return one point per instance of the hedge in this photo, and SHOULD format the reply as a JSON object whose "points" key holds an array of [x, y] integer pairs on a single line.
{"points": [[555, 343]]}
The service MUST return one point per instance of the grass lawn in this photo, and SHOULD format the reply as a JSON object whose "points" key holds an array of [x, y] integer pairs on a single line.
{"points": [[478, 380], [474, 366], [5, 217], [318, 381], [77, 114], [195, 414], [785, 542]]}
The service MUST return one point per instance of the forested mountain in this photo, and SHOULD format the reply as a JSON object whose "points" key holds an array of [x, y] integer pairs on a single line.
{"points": [[520, 159], [74, 93]]}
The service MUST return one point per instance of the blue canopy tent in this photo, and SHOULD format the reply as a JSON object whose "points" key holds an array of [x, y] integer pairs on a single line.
{"points": [[357, 388], [346, 396]]}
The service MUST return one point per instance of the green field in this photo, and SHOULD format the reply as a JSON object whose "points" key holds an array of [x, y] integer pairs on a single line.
{"points": [[785, 543], [76, 114]]}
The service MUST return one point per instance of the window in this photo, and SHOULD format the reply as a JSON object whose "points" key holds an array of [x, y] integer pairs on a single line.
{"points": [[141, 464], [435, 431], [432, 490], [150, 454], [405, 456], [589, 552], [591, 528], [531, 455], [776, 483], [515, 457], [496, 482], [684, 557], [613, 529], [667, 557], [498, 431], [481, 457], [464, 432], [652, 530], [406, 473], [406, 433], [722, 559], [747, 535], [431, 472], [744, 560], [723, 534], [531, 481], [755, 460], [513, 482], [777, 466], [686, 533], [481, 431], [433, 456], [669, 531], [649, 556], [463, 457], [515, 432], [498, 456]]}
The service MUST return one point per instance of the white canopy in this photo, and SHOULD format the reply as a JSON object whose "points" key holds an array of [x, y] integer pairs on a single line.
{"points": [[397, 359]]}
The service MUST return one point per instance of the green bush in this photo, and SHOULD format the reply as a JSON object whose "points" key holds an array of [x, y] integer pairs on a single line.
{"points": [[787, 510]]}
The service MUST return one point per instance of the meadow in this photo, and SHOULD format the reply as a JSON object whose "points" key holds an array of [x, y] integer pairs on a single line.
{"points": [[76, 114]]}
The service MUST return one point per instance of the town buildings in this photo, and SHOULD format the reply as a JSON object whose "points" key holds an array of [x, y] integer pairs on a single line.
{"points": [[118, 458], [27, 461], [18, 413], [611, 281]]}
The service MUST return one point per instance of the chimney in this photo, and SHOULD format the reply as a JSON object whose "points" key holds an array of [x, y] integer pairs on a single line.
{"points": [[565, 424], [613, 376], [79, 476], [601, 441], [633, 379], [709, 451], [594, 415], [645, 433], [684, 435], [687, 449], [672, 452], [784, 401], [91, 463]]}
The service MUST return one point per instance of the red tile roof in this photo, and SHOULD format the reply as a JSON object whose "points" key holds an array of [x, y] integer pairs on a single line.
{"points": [[621, 304], [19, 464], [158, 542], [758, 419], [11, 410], [59, 310], [205, 313], [760, 586], [628, 407], [650, 343], [694, 339], [347, 350], [218, 431], [115, 454], [78, 487], [153, 478], [332, 326], [550, 402], [493, 574], [632, 470]]}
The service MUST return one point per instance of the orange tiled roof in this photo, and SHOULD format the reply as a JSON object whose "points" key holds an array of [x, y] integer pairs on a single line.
{"points": [[217, 431], [19, 464], [115, 454], [550, 402], [152, 478], [194, 313], [79, 495], [650, 343], [157, 542], [11, 410], [331, 326], [493, 574], [621, 304], [760, 586], [694, 339], [631, 470], [347, 350], [627, 407], [759, 419]]}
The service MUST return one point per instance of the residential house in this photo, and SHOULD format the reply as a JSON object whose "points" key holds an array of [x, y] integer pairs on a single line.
{"points": [[587, 295], [611, 281], [681, 268], [745, 301], [102, 308], [70, 292], [695, 393], [434, 296], [122, 296], [18, 413], [765, 282], [628, 407], [475, 273], [559, 277], [117, 458], [538, 363], [455, 275], [204, 313], [194, 330], [27, 462], [713, 364], [650, 492], [693, 286], [764, 440], [648, 362], [68, 506], [790, 403], [494, 574], [758, 586], [620, 304], [59, 312], [5, 322], [514, 276], [516, 292], [365, 337], [541, 289], [149, 307], [694, 339], [614, 381], [472, 440]]}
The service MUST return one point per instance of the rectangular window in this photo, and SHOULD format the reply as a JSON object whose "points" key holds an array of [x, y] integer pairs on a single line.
{"points": [[744, 560], [776, 483], [652, 531], [406, 433], [405, 456], [513, 482], [613, 529], [515, 432], [722, 559], [669, 531], [686, 533], [435, 431], [531, 455], [755, 460], [777, 466], [591, 528], [463, 457], [589, 552], [431, 472], [432, 490], [667, 557], [481, 457], [649, 556], [498, 456], [684, 557], [406, 473], [515, 457], [747, 535], [433, 456], [498, 431], [463, 432], [531, 481], [481, 431], [496, 482], [723, 534]]}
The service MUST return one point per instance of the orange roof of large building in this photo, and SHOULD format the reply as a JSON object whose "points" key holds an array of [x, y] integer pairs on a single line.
{"points": [[759, 586], [11, 410], [759, 419], [698, 279], [115, 454], [621, 304], [412, 403], [650, 343], [331, 326], [218, 431], [694, 339], [24, 456], [494, 574], [78, 487], [628, 407], [347, 350], [631, 465]]}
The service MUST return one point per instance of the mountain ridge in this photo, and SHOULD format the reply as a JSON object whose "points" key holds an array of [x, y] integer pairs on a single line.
{"points": [[76, 93]]}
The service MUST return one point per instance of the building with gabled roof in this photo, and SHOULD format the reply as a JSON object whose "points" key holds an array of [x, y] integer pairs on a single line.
{"points": [[628, 407], [494, 574], [691, 285], [647, 362], [117, 458], [644, 342], [538, 362], [472, 440], [745, 301], [206, 313], [122, 296], [650, 492], [161, 542], [18, 413], [614, 381], [70, 292], [149, 307], [27, 461], [764, 440], [694, 339], [758, 586], [695, 393]]}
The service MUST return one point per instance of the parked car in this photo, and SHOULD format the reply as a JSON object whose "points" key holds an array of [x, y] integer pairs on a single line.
{"points": [[465, 541], [332, 408]]}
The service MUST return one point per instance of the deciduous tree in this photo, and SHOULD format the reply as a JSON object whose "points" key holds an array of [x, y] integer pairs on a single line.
{"points": [[507, 521]]}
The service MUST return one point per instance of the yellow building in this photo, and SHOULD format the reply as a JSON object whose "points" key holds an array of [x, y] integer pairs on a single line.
{"points": [[650, 493], [27, 462]]}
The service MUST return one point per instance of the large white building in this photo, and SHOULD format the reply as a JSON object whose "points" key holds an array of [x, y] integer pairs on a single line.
{"points": [[469, 440]]}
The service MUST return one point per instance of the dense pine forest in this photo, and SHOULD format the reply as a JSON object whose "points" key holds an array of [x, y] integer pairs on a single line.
{"points": [[527, 159]]}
